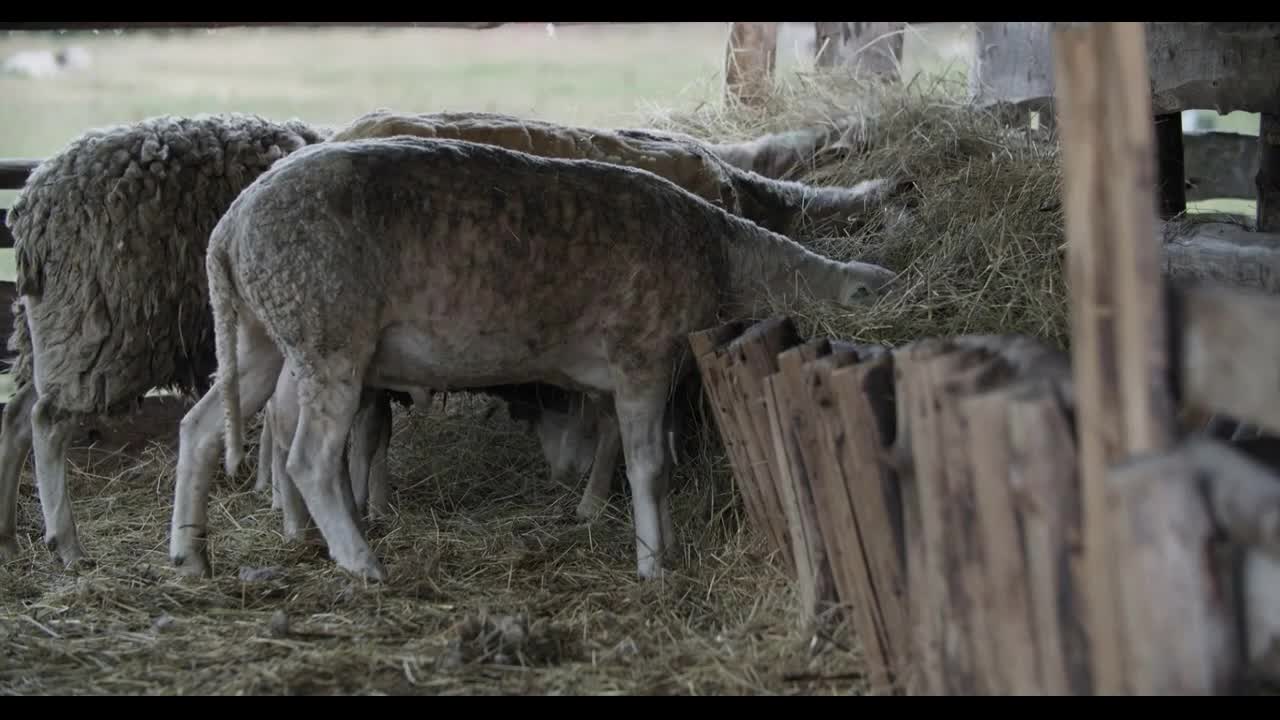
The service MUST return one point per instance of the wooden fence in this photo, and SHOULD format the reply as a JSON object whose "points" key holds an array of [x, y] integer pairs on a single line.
{"points": [[1000, 517]]}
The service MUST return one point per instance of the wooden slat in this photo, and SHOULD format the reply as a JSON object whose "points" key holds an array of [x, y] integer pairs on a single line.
{"points": [[795, 441], [858, 512]]}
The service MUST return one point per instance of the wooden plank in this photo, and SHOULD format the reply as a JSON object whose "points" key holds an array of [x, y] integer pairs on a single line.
{"points": [[1225, 352], [1046, 486], [1118, 328], [1171, 170], [14, 172], [794, 440], [860, 506], [1268, 211], [1013, 662], [749, 62], [1220, 165], [754, 356], [710, 349], [865, 552], [947, 612]]}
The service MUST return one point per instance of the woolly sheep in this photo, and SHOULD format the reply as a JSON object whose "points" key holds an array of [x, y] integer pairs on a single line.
{"points": [[719, 173], [110, 238], [449, 264]]}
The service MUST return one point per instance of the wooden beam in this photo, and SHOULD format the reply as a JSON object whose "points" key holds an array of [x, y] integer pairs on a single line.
{"points": [[1117, 315], [749, 61], [1222, 253], [1226, 351], [1268, 182], [1171, 170], [1197, 66], [1193, 66], [1220, 165], [14, 172]]}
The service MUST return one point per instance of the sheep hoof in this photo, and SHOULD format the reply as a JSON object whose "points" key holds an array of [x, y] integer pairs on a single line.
{"points": [[195, 566], [650, 569], [71, 553], [590, 508], [370, 570]]}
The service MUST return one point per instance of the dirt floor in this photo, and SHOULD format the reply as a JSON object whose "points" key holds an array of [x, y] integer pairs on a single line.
{"points": [[490, 590]]}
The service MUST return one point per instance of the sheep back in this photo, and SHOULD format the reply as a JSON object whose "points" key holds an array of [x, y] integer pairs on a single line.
{"points": [[678, 158], [110, 237]]}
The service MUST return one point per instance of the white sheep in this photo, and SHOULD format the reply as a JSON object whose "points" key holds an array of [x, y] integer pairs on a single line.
{"points": [[109, 236], [719, 173], [405, 263]]}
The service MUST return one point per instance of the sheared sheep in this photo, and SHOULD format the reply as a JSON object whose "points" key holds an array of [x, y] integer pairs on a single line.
{"points": [[448, 264], [719, 173], [110, 238]]}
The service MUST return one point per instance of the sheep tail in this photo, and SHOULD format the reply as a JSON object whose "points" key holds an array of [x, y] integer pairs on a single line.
{"points": [[222, 297]]}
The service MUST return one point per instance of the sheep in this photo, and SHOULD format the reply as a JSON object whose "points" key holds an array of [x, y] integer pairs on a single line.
{"points": [[109, 236], [446, 264], [716, 172]]}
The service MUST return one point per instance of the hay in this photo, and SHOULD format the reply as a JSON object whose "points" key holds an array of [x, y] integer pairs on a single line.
{"points": [[981, 254], [489, 592]]}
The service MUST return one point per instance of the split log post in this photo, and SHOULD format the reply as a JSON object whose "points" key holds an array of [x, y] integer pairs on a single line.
{"points": [[794, 452], [1118, 321], [749, 62]]}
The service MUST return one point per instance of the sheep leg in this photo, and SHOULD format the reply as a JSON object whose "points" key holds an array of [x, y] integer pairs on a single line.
{"points": [[608, 444], [284, 424], [315, 464], [200, 443], [51, 438], [15, 445], [370, 437], [264, 456], [641, 413]]}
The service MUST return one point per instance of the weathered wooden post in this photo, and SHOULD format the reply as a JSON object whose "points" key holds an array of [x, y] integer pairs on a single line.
{"points": [[872, 48], [749, 61], [1117, 314]]}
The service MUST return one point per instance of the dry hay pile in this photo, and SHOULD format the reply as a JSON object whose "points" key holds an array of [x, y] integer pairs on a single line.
{"points": [[491, 591], [981, 254]]}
